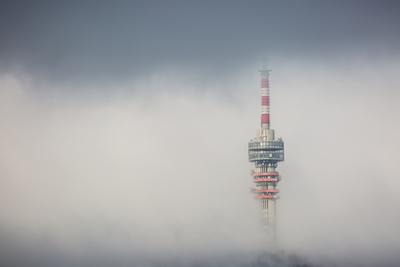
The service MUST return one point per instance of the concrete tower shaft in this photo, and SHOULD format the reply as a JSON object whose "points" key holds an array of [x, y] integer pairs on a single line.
{"points": [[265, 152]]}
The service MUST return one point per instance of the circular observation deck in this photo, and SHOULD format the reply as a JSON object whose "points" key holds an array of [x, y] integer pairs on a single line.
{"points": [[256, 144], [267, 151], [267, 156]]}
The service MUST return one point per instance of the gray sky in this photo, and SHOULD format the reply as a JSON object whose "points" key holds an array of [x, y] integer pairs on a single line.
{"points": [[99, 41]]}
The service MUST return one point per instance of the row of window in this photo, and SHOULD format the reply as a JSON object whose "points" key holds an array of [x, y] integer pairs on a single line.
{"points": [[270, 144], [266, 155]]}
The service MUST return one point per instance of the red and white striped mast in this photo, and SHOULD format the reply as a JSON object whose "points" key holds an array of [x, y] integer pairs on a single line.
{"points": [[265, 110]]}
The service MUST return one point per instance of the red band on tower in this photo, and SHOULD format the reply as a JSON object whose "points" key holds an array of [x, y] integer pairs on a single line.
{"points": [[265, 100], [265, 118]]}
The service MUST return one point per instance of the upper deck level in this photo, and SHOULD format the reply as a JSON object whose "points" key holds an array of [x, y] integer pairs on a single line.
{"points": [[262, 150]]}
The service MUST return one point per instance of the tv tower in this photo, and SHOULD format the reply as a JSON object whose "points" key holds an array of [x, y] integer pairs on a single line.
{"points": [[266, 151]]}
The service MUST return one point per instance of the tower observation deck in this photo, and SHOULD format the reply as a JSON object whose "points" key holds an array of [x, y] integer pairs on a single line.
{"points": [[265, 152]]}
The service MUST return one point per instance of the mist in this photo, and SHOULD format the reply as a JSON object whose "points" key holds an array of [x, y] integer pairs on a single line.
{"points": [[155, 173], [136, 178]]}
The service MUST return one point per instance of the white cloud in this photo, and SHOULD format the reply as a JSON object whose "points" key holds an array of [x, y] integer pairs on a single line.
{"points": [[166, 175]]}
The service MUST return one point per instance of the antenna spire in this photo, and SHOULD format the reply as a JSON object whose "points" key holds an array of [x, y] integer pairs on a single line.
{"points": [[265, 99]]}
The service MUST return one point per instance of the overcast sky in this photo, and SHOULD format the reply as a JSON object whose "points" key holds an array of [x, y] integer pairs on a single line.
{"points": [[103, 40], [124, 130]]}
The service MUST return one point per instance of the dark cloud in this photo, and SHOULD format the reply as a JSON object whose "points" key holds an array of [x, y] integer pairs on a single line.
{"points": [[103, 40]]}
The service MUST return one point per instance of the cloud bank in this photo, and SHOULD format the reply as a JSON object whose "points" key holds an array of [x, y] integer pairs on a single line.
{"points": [[156, 171]]}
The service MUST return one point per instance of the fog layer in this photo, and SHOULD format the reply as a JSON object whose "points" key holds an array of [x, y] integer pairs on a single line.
{"points": [[143, 178]]}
